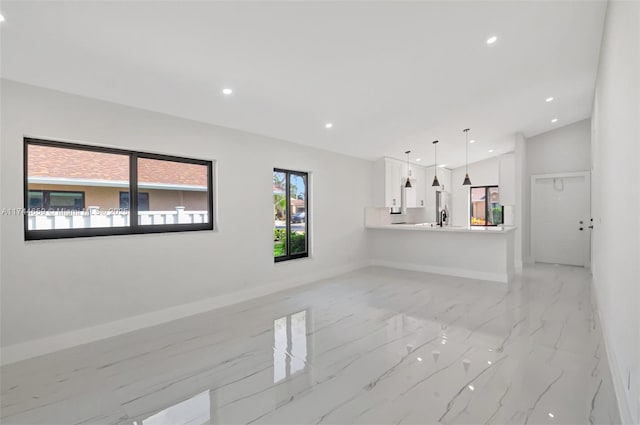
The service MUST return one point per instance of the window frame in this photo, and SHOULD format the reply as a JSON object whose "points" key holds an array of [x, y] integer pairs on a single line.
{"points": [[486, 206], [134, 228], [46, 192], [129, 201], [289, 255]]}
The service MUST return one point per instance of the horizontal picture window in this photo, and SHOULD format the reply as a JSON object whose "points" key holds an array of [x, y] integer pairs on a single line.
{"points": [[74, 190]]}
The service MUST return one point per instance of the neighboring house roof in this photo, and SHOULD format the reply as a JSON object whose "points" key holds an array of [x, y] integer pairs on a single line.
{"points": [[68, 165], [297, 202]]}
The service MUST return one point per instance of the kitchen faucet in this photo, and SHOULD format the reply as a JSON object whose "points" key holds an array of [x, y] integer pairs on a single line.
{"points": [[443, 217]]}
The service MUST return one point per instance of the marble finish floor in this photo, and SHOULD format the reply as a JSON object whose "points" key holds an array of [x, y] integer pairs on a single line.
{"points": [[376, 346]]}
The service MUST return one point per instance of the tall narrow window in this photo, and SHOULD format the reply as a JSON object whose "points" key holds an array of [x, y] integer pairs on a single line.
{"points": [[485, 206], [291, 215], [74, 190]]}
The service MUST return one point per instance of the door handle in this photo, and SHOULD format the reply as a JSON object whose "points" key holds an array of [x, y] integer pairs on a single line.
{"points": [[582, 228], [590, 227]]}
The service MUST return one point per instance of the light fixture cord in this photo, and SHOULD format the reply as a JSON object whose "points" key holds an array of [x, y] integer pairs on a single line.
{"points": [[435, 158], [466, 137], [408, 171]]}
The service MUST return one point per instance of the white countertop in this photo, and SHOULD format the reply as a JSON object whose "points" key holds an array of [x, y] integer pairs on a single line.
{"points": [[452, 229]]}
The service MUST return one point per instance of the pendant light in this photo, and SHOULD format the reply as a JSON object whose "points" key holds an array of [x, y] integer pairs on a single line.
{"points": [[467, 180], [435, 165], [408, 182]]}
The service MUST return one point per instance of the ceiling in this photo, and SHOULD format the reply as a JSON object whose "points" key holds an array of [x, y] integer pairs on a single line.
{"points": [[390, 76]]}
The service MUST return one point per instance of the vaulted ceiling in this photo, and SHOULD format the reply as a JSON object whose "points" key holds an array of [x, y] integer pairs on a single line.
{"points": [[389, 76]]}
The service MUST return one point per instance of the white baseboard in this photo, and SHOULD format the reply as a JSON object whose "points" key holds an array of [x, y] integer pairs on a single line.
{"points": [[518, 266], [53, 343], [618, 384], [471, 274]]}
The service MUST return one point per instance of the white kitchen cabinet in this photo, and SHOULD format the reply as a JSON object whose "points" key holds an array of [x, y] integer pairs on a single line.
{"points": [[390, 176], [388, 182], [418, 181], [393, 183], [444, 178]]}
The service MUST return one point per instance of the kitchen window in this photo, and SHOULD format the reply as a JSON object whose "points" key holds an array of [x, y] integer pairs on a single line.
{"points": [[485, 206], [290, 215], [75, 190]]}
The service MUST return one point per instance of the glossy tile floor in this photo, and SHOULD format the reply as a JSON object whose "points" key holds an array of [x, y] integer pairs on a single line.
{"points": [[374, 346]]}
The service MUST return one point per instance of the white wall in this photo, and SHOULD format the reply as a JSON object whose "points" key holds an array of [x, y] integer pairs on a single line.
{"points": [[563, 150], [482, 173], [522, 203], [615, 200], [51, 287]]}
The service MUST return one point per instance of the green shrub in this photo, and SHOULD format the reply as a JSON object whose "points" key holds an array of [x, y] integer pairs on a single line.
{"points": [[297, 240], [279, 234], [279, 248], [298, 244]]}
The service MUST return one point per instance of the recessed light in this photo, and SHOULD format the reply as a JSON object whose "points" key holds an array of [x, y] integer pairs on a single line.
{"points": [[328, 125], [442, 165], [1, 17], [419, 359], [489, 363], [491, 150], [551, 415], [443, 342], [418, 160], [555, 120], [549, 99], [227, 91], [471, 387], [472, 141], [492, 39]]}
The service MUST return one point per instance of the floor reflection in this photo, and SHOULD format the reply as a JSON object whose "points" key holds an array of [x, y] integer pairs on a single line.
{"points": [[291, 348], [290, 345], [194, 411]]}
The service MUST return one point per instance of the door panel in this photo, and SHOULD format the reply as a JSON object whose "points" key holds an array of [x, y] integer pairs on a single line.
{"points": [[560, 231]]}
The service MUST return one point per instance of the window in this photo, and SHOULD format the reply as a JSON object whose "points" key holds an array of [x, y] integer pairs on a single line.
{"points": [[143, 201], [74, 190], [291, 215], [485, 206], [56, 200]]}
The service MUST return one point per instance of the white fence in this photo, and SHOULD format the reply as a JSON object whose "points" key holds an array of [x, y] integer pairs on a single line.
{"points": [[96, 217]]}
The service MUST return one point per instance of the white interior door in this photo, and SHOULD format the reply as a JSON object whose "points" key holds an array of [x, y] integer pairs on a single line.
{"points": [[560, 218]]}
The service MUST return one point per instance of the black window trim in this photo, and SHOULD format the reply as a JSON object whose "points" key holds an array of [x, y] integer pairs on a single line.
{"points": [[133, 228], [288, 255], [486, 205], [127, 193], [49, 191]]}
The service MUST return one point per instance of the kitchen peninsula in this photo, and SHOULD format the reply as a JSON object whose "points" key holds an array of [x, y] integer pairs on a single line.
{"points": [[476, 252]]}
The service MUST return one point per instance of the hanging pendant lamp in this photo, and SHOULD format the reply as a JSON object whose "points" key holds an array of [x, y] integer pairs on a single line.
{"points": [[467, 180], [408, 182], [435, 165]]}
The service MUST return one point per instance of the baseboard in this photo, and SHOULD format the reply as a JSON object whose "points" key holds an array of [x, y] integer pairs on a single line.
{"points": [[470, 274], [618, 385], [518, 266], [38, 347]]}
